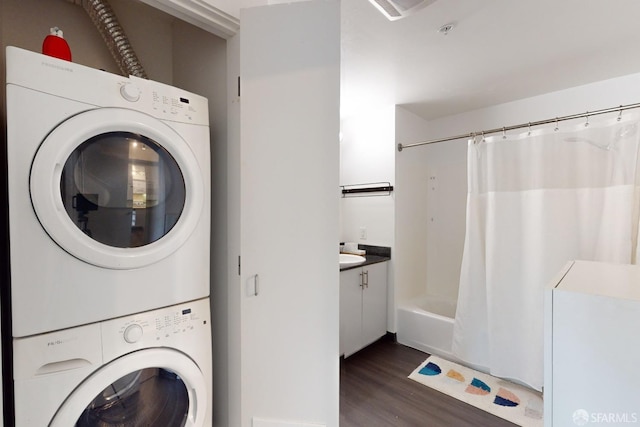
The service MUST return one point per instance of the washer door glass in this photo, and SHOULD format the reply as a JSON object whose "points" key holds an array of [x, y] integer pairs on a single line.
{"points": [[153, 397], [122, 189], [153, 387]]}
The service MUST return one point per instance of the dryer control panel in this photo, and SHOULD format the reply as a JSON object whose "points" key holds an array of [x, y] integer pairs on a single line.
{"points": [[76, 81], [164, 102]]}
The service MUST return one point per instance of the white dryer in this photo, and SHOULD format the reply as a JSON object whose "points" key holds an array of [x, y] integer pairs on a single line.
{"points": [[148, 369], [109, 204]]}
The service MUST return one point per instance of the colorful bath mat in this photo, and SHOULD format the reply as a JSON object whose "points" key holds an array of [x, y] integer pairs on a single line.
{"points": [[513, 402]]}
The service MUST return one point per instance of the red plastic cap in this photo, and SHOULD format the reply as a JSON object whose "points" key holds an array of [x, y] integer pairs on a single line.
{"points": [[56, 46]]}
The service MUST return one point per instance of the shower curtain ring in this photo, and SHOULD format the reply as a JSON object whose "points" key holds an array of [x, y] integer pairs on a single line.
{"points": [[620, 114], [529, 133], [557, 128], [504, 134], [587, 122], [482, 136]]}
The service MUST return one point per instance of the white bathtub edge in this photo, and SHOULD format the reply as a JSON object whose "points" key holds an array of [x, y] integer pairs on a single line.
{"points": [[426, 348], [425, 331]]}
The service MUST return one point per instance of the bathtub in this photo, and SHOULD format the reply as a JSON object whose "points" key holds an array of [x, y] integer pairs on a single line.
{"points": [[426, 324]]}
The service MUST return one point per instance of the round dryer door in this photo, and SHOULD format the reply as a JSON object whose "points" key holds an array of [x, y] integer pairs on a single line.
{"points": [[152, 388], [116, 188]]}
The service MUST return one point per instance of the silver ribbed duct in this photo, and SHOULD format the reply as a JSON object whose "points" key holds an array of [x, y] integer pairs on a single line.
{"points": [[117, 42]]}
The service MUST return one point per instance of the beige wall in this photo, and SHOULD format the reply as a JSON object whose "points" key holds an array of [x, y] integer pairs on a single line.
{"points": [[25, 24], [200, 66]]}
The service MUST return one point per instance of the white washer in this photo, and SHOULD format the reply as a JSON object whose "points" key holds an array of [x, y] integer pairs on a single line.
{"points": [[109, 207], [151, 369]]}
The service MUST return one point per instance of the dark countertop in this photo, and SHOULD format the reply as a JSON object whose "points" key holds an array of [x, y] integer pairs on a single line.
{"points": [[370, 259]]}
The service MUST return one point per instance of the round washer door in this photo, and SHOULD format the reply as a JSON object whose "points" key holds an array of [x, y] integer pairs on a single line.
{"points": [[156, 387], [116, 188]]}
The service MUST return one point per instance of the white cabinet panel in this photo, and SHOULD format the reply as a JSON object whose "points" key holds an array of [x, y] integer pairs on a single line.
{"points": [[592, 345], [288, 166]]}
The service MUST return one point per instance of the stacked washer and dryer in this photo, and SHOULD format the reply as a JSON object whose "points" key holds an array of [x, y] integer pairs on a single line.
{"points": [[109, 214]]}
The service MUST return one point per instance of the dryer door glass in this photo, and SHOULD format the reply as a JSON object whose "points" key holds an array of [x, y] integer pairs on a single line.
{"points": [[153, 397], [122, 189]]}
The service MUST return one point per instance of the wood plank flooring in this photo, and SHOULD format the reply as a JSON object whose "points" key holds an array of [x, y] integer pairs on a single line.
{"points": [[375, 391]]}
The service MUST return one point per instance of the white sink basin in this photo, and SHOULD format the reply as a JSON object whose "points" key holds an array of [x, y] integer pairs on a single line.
{"points": [[347, 260]]}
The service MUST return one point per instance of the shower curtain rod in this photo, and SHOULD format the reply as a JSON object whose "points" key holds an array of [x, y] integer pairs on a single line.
{"points": [[523, 125]]}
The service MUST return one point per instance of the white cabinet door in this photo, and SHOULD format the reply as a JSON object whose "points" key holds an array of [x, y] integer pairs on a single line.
{"points": [[374, 303], [363, 307], [289, 225], [350, 311]]}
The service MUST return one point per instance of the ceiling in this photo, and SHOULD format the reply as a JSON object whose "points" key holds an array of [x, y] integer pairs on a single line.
{"points": [[498, 51]]}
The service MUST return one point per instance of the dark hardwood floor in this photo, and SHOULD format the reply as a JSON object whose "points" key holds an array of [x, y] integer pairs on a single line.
{"points": [[375, 391]]}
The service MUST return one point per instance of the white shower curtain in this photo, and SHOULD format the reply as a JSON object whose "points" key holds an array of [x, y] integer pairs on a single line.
{"points": [[536, 201]]}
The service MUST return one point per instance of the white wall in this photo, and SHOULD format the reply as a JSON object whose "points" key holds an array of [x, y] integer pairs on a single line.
{"points": [[429, 252], [367, 155], [430, 210]]}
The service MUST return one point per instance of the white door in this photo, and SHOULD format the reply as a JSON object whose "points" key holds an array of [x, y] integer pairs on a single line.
{"points": [[374, 303], [351, 289], [116, 188], [289, 102], [155, 387]]}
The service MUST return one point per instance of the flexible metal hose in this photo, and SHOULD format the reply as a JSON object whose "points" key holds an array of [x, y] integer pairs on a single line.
{"points": [[114, 36]]}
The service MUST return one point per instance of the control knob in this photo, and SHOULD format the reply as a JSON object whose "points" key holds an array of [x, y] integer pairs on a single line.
{"points": [[130, 92], [133, 333]]}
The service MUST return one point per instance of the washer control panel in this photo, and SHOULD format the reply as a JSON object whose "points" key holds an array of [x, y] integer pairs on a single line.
{"points": [[159, 325], [157, 328], [133, 333]]}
